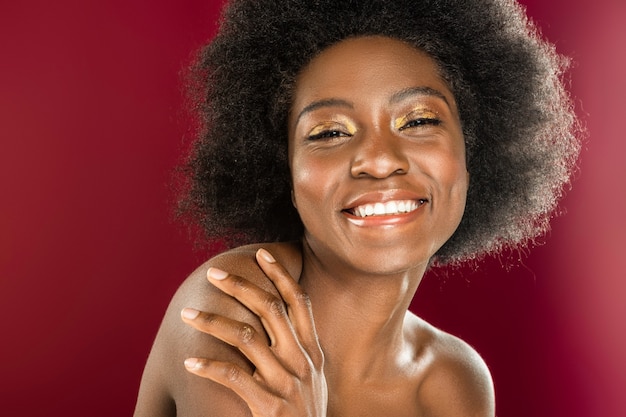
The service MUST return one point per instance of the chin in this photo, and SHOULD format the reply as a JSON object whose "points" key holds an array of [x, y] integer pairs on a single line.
{"points": [[387, 261]]}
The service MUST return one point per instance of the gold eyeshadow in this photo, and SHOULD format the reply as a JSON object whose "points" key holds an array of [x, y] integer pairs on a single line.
{"points": [[420, 113], [344, 125]]}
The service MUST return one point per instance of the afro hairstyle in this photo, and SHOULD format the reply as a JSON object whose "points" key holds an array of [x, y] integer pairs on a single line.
{"points": [[522, 138]]}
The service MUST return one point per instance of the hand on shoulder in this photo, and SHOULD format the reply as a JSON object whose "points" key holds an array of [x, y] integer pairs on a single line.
{"points": [[167, 389]]}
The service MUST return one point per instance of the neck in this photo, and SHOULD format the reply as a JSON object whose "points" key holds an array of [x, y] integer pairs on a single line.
{"points": [[359, 316]]}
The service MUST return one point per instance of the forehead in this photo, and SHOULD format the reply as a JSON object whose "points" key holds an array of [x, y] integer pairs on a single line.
{"points": [[367, 67]]}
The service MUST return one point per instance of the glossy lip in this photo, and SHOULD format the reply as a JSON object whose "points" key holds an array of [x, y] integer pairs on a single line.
{"points": [[383, 197]]}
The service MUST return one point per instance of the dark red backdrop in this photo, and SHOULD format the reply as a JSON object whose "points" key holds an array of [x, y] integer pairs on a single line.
{"points": [[90, 129]]}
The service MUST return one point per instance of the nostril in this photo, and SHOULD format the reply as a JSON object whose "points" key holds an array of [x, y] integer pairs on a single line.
{"points": [[381, 165]]}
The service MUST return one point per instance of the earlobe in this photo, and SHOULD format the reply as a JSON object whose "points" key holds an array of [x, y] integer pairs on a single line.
{"points": [[293, 200]]}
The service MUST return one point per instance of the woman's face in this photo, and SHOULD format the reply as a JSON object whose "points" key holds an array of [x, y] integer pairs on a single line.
{"points": [[377, 156]]}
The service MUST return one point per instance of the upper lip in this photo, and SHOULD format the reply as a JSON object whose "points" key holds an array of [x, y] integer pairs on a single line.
{"points": [[383, 196]]}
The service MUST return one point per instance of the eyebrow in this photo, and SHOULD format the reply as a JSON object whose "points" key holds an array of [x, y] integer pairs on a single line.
{"points": [[330, 102], [417, 91]]}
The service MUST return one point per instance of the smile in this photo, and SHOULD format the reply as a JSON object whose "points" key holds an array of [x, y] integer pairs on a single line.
{"points": [[388, 208]]}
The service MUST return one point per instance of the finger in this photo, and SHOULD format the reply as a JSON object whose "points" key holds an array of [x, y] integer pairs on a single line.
{"points": [[233, 377], [269, 308], [297, 300], [235, 333]]}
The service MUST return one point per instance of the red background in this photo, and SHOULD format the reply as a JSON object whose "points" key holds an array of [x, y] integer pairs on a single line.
{"points": [[91, 128]]}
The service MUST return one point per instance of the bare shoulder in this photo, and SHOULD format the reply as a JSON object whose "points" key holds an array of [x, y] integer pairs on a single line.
{"points": [[167, 389], [457, 381]]}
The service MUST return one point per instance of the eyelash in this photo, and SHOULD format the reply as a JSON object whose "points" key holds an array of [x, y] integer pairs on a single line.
{"points": [[423, 121], [328, 134], [331, 134]]}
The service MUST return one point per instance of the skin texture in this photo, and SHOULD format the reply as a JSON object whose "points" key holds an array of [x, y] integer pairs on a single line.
{"points": [[322, 327]]}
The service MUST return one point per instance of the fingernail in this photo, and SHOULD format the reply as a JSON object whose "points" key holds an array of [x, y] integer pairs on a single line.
{"points": [[189, 313], [266, 255], [216, 274], [192, 363]]}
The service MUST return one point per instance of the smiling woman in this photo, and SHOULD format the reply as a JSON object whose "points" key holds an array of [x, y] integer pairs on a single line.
{"points": [[377, 127], [403, 137]]}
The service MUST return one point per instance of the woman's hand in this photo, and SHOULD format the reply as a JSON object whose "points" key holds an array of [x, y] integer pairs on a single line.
{"points": [[289, 373]]}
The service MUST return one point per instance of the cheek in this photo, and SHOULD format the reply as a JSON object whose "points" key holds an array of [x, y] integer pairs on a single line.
{"points": [[307, 183], [458, 180], [315, 181], [307, 197], [452, 179], [458, 176], [458, 192], [447, 167]]}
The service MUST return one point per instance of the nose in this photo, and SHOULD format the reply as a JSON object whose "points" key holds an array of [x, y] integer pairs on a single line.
{"points": [[378, 156]]}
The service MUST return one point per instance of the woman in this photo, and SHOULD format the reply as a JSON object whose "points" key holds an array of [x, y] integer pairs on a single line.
{"points": [[368, 141]]}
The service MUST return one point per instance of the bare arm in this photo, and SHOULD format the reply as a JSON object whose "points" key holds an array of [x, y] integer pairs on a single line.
{"points": [[167, 389]]}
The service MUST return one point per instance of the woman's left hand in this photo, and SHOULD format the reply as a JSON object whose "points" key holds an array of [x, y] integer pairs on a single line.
{"points": [[288, 379]]}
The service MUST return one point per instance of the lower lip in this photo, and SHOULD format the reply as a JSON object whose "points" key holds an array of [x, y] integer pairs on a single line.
{"points": [[389, 220]]}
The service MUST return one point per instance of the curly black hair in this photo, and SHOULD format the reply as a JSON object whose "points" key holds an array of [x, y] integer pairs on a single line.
{"points": [[520, 131]]}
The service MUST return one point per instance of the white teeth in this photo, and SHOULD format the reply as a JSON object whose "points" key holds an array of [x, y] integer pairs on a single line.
{"points": [[388, 208], [391, 207]]}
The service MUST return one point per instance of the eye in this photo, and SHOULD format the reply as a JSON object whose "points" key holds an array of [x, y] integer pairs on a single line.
{"points": [[328, 134], [331, 132], [421, 121]]}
